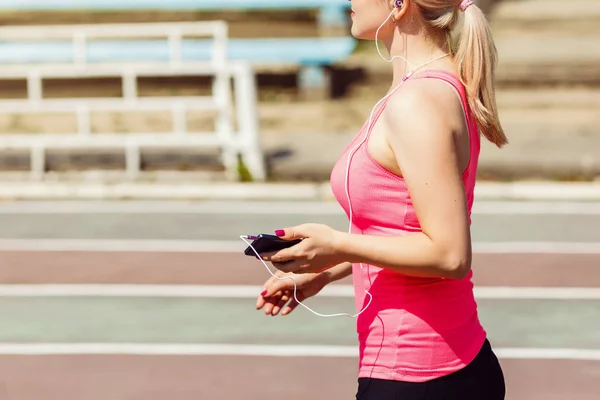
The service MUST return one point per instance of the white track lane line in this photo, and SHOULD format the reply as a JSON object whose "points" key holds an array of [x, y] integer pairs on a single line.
{"points": [[138, 349], [248, 291]]}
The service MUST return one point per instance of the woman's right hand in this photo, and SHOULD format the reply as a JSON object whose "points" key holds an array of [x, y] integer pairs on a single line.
{"points": [[278, 295]]}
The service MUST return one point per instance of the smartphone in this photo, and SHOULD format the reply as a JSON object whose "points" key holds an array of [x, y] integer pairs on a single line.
{"points": [[266, 243]]}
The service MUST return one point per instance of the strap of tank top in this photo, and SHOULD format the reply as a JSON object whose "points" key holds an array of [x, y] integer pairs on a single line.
{"points": [[436, 74], [376, 116]]}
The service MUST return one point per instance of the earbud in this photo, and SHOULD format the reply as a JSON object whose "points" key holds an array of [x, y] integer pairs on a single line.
{"points": [[398, 3]]}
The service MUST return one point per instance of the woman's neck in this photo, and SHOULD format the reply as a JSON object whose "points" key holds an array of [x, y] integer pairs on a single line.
{"points": [[418, 51]]}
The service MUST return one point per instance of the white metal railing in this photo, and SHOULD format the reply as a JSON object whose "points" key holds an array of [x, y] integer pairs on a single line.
{"points": [[242, 140]]}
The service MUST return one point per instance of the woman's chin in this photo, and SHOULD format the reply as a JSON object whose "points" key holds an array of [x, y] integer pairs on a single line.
{"points": [[361, 34]]}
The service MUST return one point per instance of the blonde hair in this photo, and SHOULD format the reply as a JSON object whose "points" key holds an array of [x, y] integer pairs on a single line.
{"points": [[475, 56]]}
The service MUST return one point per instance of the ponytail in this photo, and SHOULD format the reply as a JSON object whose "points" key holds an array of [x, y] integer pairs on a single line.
{"points": [[476, 57]]}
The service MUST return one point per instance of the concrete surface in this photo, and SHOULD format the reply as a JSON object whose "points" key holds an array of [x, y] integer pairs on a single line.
{"points": [[96, 345]]}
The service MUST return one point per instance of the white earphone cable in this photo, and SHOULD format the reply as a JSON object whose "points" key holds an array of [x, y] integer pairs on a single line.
{"points": [[245, 239], [346, 182]]}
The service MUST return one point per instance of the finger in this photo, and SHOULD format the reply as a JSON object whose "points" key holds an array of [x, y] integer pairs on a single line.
{"points": [[277, 283], [282, 302], [284, 255], [289, 266], [270, 287], [291, 306], [292, 233], [271, 302], [267, 255], [260, 301], [269, 290], [273, 288]]}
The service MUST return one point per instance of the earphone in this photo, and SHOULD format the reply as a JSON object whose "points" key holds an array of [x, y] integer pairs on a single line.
{"points": [[397, 4]]}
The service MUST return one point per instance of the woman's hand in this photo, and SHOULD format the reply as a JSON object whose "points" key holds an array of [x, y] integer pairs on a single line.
{"points": [[279, 293], [318, 251]]}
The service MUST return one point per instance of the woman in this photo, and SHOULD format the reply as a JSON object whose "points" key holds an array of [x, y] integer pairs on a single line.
{"points": [[406, 182]]}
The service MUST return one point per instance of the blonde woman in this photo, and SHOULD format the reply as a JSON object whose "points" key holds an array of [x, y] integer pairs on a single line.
{"points": [[406, 182]]}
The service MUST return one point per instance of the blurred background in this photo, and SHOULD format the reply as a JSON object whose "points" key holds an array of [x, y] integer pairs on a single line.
{"points": [[134, 133], [65, 71]]}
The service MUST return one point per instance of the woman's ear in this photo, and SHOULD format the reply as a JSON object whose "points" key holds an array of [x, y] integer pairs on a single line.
{"points": [[400, 9]]}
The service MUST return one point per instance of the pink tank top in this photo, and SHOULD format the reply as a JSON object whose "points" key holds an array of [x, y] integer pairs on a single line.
{"points": [[415, 329]]}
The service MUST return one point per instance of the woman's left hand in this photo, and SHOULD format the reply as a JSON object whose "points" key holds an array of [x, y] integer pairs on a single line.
{"points": [[318, 251]]}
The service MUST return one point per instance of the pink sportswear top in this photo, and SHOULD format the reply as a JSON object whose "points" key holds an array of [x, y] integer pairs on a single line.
{"points": [[416, 329]]}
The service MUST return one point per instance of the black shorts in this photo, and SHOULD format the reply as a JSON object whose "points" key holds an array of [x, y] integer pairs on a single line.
{"points": [[482, 379]]}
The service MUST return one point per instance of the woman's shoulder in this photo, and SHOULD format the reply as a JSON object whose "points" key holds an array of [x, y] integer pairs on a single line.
{"points": [[423, 102]]}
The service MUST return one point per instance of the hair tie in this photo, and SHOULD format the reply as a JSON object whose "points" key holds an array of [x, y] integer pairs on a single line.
{"points": [[465, 4]]}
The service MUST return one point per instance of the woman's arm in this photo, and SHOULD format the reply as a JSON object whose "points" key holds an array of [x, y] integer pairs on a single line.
{"points": [[338, 272], [425, 128], [422, 125], [414, 255]]}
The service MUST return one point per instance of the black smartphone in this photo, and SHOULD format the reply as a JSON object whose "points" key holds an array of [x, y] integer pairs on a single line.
{"points": [[266, 243]]}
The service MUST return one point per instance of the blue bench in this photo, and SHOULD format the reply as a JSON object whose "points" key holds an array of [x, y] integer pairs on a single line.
{"points": [[310, 54], [331, 12], [304, 51]]}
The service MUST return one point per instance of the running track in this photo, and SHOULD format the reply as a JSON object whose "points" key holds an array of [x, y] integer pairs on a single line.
{"points": [[154, 301]]}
